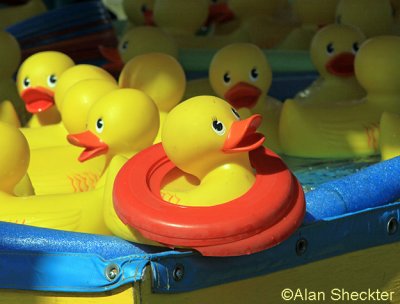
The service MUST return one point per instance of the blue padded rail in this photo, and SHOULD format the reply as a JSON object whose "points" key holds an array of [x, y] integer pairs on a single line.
{"points": [[49, 260]]}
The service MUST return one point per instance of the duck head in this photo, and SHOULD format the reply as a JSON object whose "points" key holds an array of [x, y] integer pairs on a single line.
{"points": [[139, 12], [76, 74], [79, 99], [158, 75], [205, 132], [10, 54], [377, 68], [316, 13], [38, 77], [333, 50], [123, 121], [181, 17], [376, 17], [240, 74]]}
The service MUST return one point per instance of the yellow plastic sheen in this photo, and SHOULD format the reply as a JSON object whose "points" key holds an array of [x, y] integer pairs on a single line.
{"points": [[390, 135]]}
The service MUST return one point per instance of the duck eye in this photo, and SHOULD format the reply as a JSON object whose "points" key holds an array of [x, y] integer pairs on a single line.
{"points": [[218, 127], [52, 81], [143, 8], [235, 113], [124, 45], [99, 125], [26, 82], [254, 74], [227, 78], [355, 47], [330, 49]]}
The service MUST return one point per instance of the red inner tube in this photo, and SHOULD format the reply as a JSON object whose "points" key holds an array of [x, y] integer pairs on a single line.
{"points": [[275, 200]]}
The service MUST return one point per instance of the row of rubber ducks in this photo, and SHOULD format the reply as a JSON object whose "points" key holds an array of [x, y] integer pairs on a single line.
{"points": [[44, 184]]}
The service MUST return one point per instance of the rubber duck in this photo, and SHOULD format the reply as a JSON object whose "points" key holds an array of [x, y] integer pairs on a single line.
{"points": [[223, 152], [265, 22], [312, 16], [37, 79], [349, 129], [333, 50], [138, 41], [389, 142], [48, 174], [219, 12], [244, 84], [117, 110], [183, 27], [10, 54], [17, 13], [158, 75], [139, 12], [55, 134], [376, 19]]}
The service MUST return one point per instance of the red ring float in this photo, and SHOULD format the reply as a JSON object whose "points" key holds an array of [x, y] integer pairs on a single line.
{"points": [[266, 215]]}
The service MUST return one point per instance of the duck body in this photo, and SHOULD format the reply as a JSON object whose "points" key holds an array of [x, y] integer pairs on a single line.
{"points": [[389, 135], [349, 129], [226, 156], [333, 50]]}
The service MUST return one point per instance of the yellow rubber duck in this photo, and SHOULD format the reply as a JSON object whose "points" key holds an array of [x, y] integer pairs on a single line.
{"points": [[138, 41], [389, 135], [37, 79], [10, 54], [47, 173], [266, 22], [55, 134], [350, 129], [312, 15], [376, 18], [183, 26], [158, 75], [333, 50], [14, 14], [67, 211], [219, 158], [139, 12], [241, 74]]}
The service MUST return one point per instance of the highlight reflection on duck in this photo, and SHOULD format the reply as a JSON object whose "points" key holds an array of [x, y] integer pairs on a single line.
{"points": [[244, 84], [333, 50], [349, 129]]}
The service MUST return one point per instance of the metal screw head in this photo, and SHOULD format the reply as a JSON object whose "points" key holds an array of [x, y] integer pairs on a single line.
{"points": [[178, 272], [392, 226], [301, 246], [111, 272]]}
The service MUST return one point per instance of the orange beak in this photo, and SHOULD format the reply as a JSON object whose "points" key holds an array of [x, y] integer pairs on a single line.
{"points": [[37, 99], [93, 145], [341, 65], [148, 18], [112, 55], [243, 95], [243, 137], [219, 13]]}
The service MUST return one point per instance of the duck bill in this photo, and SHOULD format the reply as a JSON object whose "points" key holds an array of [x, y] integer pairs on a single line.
{"points": [[93, 145], [37, 99], [112, 55], [243, 137], [341, 65], [243, 95], [219, 13], [148, 18]]}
